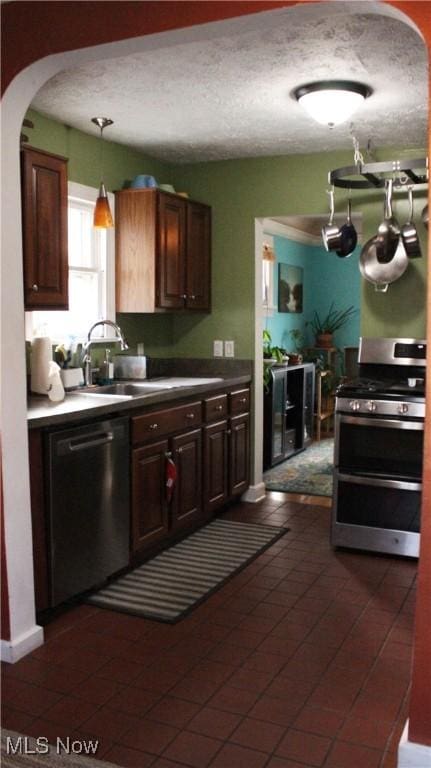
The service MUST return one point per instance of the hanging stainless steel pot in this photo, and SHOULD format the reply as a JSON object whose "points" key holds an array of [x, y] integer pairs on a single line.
{"points": [[388, 233], [331, 234], [378, 273], [409, 234], [349, 237]]}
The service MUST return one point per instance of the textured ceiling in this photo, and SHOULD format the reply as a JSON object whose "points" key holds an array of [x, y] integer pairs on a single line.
{"points": [[312, 225], [229, 97]]}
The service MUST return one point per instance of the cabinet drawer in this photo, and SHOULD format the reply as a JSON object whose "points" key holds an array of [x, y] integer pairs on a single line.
{"points": [[215, 407], [240, 401], [153, 425]]}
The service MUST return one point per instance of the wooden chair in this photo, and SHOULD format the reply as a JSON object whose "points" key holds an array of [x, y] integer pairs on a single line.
{"points": [[324, 406]]}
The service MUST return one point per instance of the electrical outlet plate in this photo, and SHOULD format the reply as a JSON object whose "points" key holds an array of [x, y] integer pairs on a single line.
{"points": [[217, 348], [229, 349]]}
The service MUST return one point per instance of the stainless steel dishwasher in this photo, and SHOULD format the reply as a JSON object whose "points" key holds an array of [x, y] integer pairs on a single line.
{"points": [[88, 505]]}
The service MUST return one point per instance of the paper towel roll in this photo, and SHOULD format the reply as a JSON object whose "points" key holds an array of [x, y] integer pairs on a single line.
{"points": [[55, 386], [41, 356]]}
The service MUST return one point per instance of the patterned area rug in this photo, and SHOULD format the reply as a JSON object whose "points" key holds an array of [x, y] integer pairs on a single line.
{"points": [[167, 587], [309, 472]]}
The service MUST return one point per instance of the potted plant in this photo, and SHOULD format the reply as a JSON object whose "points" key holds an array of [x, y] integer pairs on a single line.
{"points": [[271, 355], [325, 327], [267, 344], [295, 358]]}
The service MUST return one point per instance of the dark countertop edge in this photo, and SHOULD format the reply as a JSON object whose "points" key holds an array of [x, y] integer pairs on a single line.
{"points": [[103, 409]]}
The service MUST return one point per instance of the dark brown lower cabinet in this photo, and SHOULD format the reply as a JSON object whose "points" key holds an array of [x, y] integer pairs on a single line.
{"points": [[226, 461], [208, 441], [150, 514], [216, 488], [186, 507], [239, 454]]}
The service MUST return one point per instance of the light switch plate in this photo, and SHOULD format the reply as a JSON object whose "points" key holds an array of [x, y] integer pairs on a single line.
{"points": [[217, 348], [229, 349]]}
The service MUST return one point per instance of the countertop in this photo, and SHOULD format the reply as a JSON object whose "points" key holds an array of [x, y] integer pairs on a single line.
{"points": [[77, 406]]}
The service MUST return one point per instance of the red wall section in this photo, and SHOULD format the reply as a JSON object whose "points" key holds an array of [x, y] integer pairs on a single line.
{"points": [[32, 30], [420, 698]]}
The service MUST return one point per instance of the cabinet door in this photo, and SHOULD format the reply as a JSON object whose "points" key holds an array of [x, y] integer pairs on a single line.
{"points": [[198, 259], [215, 466], [187, 499], [239, 454], [149, 506], [44, 203], [171, 289], [308, 403], [135, 248], [278, 416]]}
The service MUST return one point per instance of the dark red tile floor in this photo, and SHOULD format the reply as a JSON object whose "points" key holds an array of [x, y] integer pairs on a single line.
{"points": [[302, 660]]}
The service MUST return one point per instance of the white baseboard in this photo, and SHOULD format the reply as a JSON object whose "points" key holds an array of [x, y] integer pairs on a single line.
{"points": [[13, 650], [412, 755], [254, 493]]}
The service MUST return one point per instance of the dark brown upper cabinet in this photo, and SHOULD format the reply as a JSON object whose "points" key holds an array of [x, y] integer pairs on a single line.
{"points": [[44, 211], [163, 252]]}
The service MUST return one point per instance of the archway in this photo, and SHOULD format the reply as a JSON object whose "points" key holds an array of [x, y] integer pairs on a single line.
{"points": [[24, 633]]}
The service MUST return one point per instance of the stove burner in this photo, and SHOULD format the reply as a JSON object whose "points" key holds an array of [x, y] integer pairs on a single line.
{"points": [[361, 386], [364, 387]]}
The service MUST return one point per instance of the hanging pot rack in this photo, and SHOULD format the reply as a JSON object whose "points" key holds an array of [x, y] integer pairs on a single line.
{"points": [[374, 175]]}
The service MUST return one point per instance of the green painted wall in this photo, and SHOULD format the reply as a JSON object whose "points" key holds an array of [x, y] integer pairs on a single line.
{"points": [[242, 190]]}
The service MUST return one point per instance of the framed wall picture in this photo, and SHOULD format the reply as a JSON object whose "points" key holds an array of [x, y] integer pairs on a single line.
{"points": [[290, 283]]}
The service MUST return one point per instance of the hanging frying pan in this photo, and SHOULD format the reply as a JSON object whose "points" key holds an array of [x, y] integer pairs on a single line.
{"points": [[409, 234], [388, 233], [331, 234], [378, 273], [348, 235]]}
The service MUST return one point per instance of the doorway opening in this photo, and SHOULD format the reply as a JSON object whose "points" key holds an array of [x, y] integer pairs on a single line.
{"points": [[301, 284]]}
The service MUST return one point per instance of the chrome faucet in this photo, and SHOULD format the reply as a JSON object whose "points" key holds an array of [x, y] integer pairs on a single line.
{"points": [[87, 347]]}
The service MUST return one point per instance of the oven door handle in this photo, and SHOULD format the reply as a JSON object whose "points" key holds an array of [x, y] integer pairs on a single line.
{"points": [[402, 485], [376, 422]]}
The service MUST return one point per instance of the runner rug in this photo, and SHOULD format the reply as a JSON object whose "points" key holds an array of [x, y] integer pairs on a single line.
{"points": [[167, 587]]}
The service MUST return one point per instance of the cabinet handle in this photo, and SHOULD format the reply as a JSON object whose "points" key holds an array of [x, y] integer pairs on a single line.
{"points": [[184, 296], [153, 426], [228, 431], [219, 407], [190, 415], [35, 287], [192, 297], [168, 455], [243, 400]]}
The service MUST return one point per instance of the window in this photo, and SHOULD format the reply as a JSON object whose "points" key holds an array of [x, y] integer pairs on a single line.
{"points": [[91, 275], [268, 261]]}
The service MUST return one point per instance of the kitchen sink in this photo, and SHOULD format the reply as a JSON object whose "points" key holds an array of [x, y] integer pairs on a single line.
{"points": [[124, 388], [137, 389]]}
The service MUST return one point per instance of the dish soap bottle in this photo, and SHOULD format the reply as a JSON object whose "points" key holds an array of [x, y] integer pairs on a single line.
{"points": [[108, 368]]}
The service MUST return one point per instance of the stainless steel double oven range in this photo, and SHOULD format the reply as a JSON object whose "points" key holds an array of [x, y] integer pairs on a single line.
{"points": [[379, 429]]}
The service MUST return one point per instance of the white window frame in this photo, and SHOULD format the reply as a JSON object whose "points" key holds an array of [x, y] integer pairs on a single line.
{"points": [[268, 280], [85, 194]]}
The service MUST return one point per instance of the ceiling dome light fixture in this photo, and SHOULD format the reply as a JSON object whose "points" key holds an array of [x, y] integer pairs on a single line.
{"points": [[331, 102], [102, 217]]}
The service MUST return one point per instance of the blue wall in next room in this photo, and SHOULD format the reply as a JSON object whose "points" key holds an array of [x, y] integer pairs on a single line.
{"points": [[327, 279]]}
